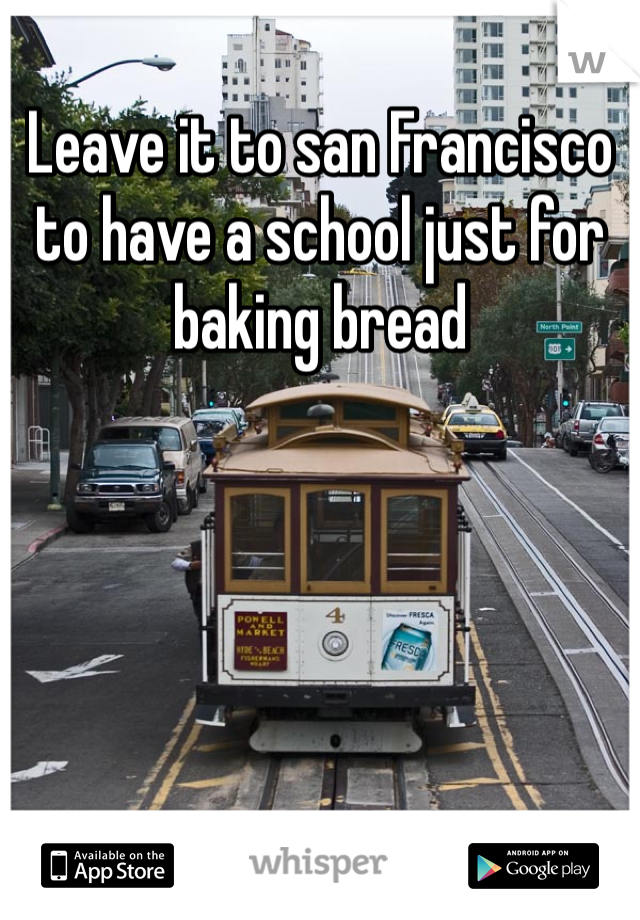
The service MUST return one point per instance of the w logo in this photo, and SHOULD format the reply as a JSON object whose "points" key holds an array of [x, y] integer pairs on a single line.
{"points": [[587, 60], [486, 868]]}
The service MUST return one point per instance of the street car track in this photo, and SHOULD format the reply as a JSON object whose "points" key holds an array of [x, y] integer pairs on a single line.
{"points": [[595, 690]]}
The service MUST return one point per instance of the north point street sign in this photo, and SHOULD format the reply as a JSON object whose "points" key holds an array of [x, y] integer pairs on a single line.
{"points": [[558, 326], [559, 349]]}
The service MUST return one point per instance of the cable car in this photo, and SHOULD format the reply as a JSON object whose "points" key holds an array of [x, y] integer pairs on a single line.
{"points": [[336, 573]]}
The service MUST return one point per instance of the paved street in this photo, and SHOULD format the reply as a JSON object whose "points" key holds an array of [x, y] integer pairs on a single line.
{"points": [[117, 730]]}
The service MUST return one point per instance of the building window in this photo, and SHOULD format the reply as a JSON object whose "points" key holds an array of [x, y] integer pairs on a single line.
{"points": [[287, 63], [525, 28], [573, 116], [494, 180], [467, 96], [234, 80], [278, 63], [303, 65], [303, 82], [224, 65], [573, 181], [466, 76], [262, 62], [469, 180], [466, 18], [559, 92], [224, 81], [525, 49], [237, 47], [493, 50], [573, 92], [560, 195], [525, 70], [491, 93], [559, 113], [493, 113], [560, 177], [465, 35], [267, 27], [616, 94], [603, 264], [525, 90], [492, 29], [493, 71], [234, 98], [277, 78], [246, 81], [467, 117], [573, 196], [525, 110], [303, 98], [225, 97], [466, 56], [617, 116]]}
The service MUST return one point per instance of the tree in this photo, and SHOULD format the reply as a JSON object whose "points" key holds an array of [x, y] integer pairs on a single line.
{"points": [[425, 187], [505, 335], [103, 321]]}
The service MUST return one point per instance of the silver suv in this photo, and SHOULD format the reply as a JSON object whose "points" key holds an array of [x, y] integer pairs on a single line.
{"points": [[576, 433]]}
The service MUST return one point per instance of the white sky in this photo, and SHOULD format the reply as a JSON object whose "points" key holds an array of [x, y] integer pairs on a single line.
{"points": [[368, 65]]}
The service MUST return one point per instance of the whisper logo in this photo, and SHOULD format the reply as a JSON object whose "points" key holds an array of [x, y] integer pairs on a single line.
{"points": [[486, 868], [286, 863]]}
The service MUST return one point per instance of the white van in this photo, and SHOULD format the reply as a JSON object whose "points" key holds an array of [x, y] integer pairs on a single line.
{"points": [[177, 438]]}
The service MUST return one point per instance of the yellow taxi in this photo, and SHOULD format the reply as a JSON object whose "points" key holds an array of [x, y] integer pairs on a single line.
{"points": [[478, 426]]}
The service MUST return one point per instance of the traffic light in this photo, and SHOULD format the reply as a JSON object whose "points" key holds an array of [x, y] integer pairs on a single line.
{"points": [[566, 399], [211, 398]]}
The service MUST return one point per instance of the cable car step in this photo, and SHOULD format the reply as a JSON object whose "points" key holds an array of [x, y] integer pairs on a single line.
{"points": [[335, 736]]}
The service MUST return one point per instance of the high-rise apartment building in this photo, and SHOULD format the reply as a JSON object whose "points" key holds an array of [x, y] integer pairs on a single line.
{"points": [[273, 81], [505, 67]]}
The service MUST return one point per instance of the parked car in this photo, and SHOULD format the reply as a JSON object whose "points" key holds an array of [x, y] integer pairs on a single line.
{"points": [[124, 479], [206, 430], [610, 425], [177, 438], [224, 414], [576, 432], [479, 427]]}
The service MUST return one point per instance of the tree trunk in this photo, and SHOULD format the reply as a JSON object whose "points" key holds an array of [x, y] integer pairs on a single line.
{"points": [[73, 378], [134, 405], [152, 396]]}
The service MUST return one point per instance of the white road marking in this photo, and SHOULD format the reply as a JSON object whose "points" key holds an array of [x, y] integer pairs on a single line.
{"points": [[564, 498], [42, 768], [76, 670]]}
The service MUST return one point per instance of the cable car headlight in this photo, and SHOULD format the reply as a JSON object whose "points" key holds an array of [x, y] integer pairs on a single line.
{"points": [[335, 643]]}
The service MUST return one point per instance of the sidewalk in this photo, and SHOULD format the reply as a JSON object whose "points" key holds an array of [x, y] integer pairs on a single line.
{"points": [[32, 526]]}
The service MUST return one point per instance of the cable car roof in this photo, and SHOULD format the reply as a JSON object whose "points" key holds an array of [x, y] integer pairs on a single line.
{"points": [[393, 396]]}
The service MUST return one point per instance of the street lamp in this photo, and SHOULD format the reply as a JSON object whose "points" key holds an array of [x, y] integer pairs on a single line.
{"points": [[163, 64]]}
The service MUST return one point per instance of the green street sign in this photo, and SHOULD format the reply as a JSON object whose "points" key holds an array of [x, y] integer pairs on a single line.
{"points": [[559, 326], [559, 349]]}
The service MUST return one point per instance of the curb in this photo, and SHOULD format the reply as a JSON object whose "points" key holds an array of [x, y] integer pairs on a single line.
{"points": [[40, 542]]}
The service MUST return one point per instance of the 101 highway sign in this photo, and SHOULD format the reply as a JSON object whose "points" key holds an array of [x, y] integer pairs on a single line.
{"points": [[559, 349]]}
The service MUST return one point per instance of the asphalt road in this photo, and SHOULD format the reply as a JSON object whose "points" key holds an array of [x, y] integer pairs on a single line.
{"points": [[113, 593]]}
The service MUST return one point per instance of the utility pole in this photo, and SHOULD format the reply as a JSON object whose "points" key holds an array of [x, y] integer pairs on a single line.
{"points": [[560, 369]]}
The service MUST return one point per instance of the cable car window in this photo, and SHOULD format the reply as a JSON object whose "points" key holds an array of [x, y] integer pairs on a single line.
{"points": [[296, 410], [413, 548], [258, 537], [335, 536], [370, 412]]}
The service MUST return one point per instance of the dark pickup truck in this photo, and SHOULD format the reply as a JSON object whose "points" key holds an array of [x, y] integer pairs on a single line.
{"points": [[124, 479]]}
